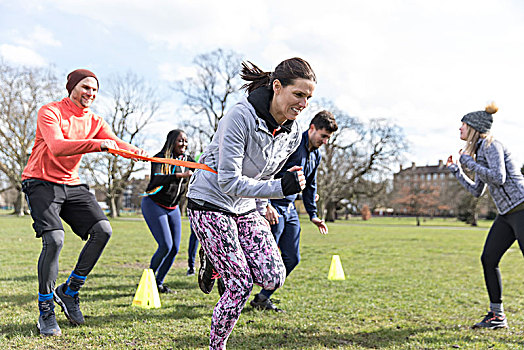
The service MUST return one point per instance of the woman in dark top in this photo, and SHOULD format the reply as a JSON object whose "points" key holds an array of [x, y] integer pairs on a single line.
{"points": [[160, 206]]}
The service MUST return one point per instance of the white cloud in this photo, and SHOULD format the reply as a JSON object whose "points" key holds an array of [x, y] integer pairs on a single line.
{"points": [[421, 63], [21, 55], [38, 37], [43, 37], [172, 72]]}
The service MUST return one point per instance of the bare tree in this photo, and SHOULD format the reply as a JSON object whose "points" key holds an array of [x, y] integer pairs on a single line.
{"points": [[208, 93], [419, 199], [133, 104], [23, 90], [357, 155]]}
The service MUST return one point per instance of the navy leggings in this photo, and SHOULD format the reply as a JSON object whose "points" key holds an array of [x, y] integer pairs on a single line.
{"points": [[504, 231], [166, 227], [192, 249]]}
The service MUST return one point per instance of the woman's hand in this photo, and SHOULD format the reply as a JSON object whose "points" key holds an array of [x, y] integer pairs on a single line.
{"points": [[450, 161], [301, 177], [187, 173]]}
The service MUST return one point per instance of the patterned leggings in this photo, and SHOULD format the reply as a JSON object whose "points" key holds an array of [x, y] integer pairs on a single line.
{"points": [[243, 251]]}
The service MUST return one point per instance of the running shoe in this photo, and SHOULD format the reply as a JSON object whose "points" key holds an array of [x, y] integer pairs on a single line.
{"points": [[261, 302], [221, 286], [162, 288], [70, 305], [47, 324], [205, 273], [491, 321]]}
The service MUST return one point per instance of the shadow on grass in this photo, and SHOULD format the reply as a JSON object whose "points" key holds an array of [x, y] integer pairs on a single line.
{"points": [[275, 337], [292, 338], [26, 278], [126, 318], [19, 299]]}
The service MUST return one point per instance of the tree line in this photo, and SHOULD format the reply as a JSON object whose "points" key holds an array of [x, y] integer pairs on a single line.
{"points": [[356, 164]]}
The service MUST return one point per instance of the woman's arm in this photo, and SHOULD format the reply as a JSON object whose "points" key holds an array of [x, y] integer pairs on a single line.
{"points": [[476, 188], [495, 172], [233, 133]]}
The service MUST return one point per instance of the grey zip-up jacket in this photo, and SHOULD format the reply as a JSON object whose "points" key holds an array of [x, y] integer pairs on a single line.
{"points": [[495, 168], [246, 156]]}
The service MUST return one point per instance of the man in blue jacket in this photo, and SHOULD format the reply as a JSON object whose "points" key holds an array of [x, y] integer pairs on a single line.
{"points": [[282, 213]]}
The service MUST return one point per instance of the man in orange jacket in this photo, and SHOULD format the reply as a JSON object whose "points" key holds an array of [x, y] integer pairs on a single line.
{"points": [[65, 131]]}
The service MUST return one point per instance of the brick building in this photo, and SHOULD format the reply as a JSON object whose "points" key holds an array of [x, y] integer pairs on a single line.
{"points": [[436, 177]]}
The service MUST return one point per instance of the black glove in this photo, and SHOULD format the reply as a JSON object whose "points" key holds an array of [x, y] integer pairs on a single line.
{"points": [[290, 183]]}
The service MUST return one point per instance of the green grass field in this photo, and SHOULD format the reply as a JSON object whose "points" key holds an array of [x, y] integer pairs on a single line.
{"points": [[406, 287]]}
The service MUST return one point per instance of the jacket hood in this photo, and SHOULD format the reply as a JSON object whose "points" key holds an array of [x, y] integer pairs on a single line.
{"points": [[260, 100]]}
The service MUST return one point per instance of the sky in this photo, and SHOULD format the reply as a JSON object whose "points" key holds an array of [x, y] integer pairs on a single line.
{"points": [[419, 64]]}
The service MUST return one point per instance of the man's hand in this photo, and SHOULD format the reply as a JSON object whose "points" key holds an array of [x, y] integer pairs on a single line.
{"points": [[142, 153], [271, 215], [108, 144], [322, 227]]}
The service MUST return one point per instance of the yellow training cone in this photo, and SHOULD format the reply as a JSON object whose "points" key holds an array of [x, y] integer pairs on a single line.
{"points": [[147, 292], [335, 271]]}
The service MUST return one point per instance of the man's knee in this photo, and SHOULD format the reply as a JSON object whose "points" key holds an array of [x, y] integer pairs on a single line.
{"points": [[53, 240], [292, 262], [102, 230]]}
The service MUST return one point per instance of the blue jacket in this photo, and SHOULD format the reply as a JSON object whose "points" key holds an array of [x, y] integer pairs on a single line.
{"points": [[494, 168], [309, 161]]}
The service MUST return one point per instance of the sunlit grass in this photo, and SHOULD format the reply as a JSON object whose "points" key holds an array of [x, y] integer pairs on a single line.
{"points": [[406, 287]]}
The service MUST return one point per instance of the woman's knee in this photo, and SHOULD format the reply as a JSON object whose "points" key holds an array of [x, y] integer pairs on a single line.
{"points": [[173, 250], [489, 260], [242, 285], [274, 281]]}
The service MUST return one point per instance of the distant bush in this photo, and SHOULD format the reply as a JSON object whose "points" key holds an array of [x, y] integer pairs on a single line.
{"points": [[365, 212]]}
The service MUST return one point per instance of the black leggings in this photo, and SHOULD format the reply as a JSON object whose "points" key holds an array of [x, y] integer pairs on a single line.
{"points": [[52, 242], [504, 231]]}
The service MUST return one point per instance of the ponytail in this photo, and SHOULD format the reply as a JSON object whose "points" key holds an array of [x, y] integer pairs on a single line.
{"points": [[286, 72], [256, 76]]}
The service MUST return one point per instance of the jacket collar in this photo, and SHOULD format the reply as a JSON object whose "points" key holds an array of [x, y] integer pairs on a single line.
{"points": [[260, 99]]}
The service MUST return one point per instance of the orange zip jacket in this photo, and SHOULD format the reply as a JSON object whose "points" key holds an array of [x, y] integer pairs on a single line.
{"points": [[64, 132]]}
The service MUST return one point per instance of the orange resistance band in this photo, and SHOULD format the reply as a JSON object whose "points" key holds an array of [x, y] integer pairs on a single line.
{"points": [[131, 155]]}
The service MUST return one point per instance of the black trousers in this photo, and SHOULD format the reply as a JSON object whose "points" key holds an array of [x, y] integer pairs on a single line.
{"points": [[502, 234]]}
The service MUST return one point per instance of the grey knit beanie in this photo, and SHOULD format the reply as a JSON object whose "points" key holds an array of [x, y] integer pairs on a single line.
{"points": [[481, 120]]}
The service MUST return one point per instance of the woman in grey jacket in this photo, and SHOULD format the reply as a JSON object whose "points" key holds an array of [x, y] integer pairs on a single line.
{"points": [[493, 166], [252, 143]]}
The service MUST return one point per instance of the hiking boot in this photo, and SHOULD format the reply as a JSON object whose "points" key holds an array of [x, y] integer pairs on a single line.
{"points": [[70, 305], [491, 321], [205, 273], [162, 288], [47, 321], [261, 302], [190, 271], [221, 286]]}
